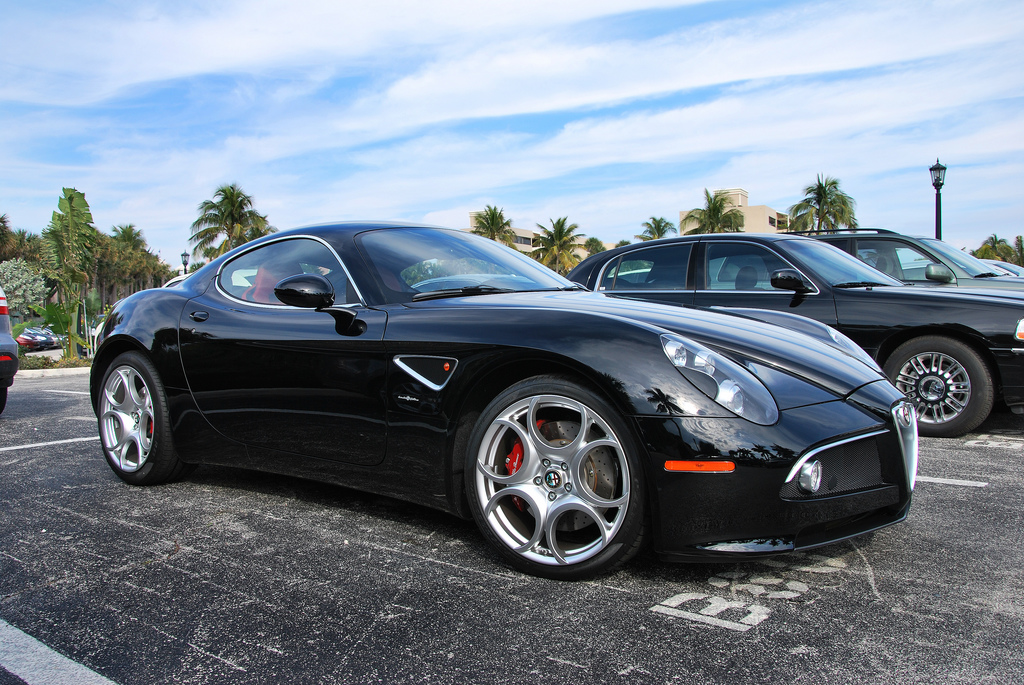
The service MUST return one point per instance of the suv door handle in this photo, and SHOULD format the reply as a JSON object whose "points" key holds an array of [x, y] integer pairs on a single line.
{"points": [[199, 316]]}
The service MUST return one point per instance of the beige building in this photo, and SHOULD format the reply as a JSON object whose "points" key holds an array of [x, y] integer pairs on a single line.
{"points": [[756, 218], [524, 236]]}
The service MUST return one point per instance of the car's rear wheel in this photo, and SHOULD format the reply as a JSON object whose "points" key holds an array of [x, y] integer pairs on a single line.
{"points": [[554, 480], [3, 399], [948, 382], [135, 429]]}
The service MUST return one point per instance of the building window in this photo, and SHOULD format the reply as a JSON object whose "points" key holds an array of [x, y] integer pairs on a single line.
{"points": [[771, 221]]}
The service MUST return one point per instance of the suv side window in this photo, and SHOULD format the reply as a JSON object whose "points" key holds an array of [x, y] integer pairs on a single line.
{"points": [[656, 268], [741, 266], [252, 276], [897, 259]]}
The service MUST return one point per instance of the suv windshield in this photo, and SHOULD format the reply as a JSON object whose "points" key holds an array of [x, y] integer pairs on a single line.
{"points": [[972, 265], [835, 266]]}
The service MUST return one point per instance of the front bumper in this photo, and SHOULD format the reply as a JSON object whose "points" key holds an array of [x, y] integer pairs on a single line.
{"points": [[757, 509]]}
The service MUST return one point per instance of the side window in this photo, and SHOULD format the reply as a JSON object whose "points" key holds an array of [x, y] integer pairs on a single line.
{"points": [[899, 260], [659, 268], [253, 275], [741, 266]]}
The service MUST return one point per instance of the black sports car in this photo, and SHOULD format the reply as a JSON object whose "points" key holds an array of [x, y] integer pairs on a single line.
{"points": [[442, 368], [953, 351]]}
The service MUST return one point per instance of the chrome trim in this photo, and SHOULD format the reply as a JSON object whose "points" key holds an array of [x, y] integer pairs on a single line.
{"points": [[433, 386], [1017, 350], [818, 450], [909, 443], [318, 239]]}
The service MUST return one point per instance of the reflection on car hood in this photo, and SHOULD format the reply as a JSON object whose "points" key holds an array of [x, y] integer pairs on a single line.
{"points": [[745, 338]]}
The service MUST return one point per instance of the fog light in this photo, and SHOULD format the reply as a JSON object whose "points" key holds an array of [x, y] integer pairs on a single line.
{"points": [[810, 477]]}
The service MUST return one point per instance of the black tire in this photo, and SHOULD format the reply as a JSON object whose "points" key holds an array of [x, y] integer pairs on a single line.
{"points": [[3, 399], [948, 382], [135, 428], [579, 467]]}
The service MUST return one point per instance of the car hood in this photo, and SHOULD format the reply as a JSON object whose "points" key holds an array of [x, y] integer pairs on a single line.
{"points": [[745, 339]]}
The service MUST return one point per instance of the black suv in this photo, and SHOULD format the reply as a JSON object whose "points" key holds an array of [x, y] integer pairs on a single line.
{"points": [[953, 351], [921, 261]]}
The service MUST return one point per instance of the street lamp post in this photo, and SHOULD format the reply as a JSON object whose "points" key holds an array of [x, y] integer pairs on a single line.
{"points": [[938, 177], [184, 262]]}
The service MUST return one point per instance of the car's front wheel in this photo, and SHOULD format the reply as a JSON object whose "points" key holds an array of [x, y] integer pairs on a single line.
{"points": [[948, 382], [554, 480], [135, 428]]}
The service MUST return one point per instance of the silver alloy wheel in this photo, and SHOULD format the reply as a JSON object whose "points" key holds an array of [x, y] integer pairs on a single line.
{"points": [[937, 384], [552, 480], [126, 419]]}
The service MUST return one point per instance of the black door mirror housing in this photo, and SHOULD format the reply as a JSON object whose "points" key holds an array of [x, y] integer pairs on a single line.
{"points": [[789, 279], [309, 291]]}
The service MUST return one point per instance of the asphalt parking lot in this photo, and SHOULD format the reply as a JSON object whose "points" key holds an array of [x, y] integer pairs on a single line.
{"points": [[238, 577]]}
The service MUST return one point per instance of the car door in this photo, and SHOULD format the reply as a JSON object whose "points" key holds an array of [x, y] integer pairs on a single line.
{"points": [[284, 378], [737, 273], [659, 274]]}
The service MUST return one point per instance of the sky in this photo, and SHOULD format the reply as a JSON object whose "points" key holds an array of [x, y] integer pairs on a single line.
{"points": [[608, 112]]}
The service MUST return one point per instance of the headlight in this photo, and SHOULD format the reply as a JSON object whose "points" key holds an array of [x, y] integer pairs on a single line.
{"points": [[852, 348], [722, 379]]}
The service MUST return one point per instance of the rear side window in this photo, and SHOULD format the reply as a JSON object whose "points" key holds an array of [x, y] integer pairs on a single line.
{"points": [[657, 268], [252, 276], [741, 266]]}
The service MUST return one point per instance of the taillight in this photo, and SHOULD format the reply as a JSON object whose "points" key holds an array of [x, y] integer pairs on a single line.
{"points": [[3, 306]]}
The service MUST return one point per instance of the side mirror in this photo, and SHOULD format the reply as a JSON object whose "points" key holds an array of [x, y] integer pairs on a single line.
{"points": [[939, 272], [789, 279], [309, 291]]}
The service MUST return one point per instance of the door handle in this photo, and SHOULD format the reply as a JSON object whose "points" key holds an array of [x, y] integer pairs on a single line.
{"points": [[199, 316]]}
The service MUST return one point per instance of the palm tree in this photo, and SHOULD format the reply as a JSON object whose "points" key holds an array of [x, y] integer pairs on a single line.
{"points": [[69, 241], [593, 246], [492, 224], [657, 227], [1018, 250], [555, 248], [716, 216], [6, 239], [622, 243], [227, 221], [824, 209], [995, 247]]}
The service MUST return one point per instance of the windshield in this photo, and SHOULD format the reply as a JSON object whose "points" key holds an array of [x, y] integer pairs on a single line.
{"points": [[972, 265], [410, 261], [835, 266]]}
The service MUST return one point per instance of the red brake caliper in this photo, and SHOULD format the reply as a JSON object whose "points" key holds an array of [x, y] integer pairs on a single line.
{"points": [[513, 462]]}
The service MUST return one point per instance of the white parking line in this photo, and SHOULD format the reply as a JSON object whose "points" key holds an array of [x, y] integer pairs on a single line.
{"points": [[952, 481], [46, 444], [36, 664], [70, 392]]}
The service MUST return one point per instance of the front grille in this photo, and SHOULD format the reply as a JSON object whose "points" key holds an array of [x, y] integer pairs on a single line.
{"points": [[848, 467]]}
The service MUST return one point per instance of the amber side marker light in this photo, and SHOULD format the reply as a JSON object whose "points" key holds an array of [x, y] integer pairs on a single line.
{"points": [[701, 466]]}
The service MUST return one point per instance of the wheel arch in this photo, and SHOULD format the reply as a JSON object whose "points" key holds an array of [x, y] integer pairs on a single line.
{"points": [[969, 338], [490, 383], [106, 355]]}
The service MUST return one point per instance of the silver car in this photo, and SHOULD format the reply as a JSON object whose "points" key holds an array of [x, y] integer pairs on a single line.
{"points": [[8, 352]]}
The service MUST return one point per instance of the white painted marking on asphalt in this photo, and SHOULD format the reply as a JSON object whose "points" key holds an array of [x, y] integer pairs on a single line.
{"points": [[47, 444], [952, 481], [755, 613], [70, 392], [37, 664]]}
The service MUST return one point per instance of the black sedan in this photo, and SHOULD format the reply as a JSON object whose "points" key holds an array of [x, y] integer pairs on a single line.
{"points": [[442, 368], [952, 351]]}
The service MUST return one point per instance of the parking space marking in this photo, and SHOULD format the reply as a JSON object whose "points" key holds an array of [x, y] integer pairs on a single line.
{"points": [[47, 444], [953, 481], [70, 392], [753, 613], [36, 664]]}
